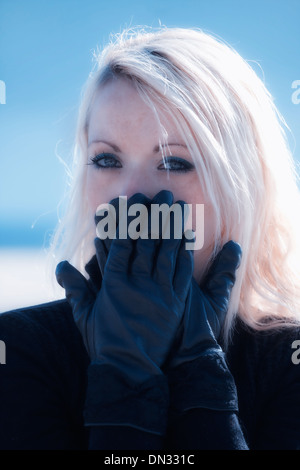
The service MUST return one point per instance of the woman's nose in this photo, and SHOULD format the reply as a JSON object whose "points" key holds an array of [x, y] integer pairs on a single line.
{"points": [[139, 182]]}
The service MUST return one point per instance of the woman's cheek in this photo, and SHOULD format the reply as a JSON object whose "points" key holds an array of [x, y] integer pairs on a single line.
{"points": [[100, 189]]}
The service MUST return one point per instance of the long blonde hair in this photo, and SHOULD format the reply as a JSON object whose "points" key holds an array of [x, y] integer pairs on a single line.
{"points": [[236, 137]]}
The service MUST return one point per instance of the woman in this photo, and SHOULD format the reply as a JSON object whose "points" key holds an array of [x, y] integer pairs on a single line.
{"points": [[163, 347]]}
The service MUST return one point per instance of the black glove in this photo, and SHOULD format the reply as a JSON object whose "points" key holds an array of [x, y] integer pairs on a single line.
{"points": [[128, 327], [132, 321], [207, 306], [197, 369], [95, 267]]}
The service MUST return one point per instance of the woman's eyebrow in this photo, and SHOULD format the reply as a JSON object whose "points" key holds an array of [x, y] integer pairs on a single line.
{"points": [[113, 146], [156, 149]]}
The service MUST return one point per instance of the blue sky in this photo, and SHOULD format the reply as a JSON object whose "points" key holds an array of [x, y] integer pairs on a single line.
{"points": [[46, 55]]}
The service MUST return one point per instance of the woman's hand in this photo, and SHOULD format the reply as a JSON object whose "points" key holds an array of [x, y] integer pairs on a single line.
{"points": [[197, 370], [132, 321], [207, 306]]}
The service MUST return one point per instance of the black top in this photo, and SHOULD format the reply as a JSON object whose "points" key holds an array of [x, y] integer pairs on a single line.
{"points": [[43, 389]]}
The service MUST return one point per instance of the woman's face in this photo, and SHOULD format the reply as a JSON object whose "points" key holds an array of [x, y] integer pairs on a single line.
{"points": [[125, 158]]}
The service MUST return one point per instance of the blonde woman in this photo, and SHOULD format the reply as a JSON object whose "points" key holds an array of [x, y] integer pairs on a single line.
{"points": [[157, 346]]}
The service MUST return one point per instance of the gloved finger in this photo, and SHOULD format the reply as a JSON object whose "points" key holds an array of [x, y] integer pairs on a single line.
{"points": [[160, 205], [115, 203], [108, 216], [137, 216], [122, 247], [126, 211], [163, 197], [138, 198], [95, 276], [171, 240], [78, 292], [101, 254], [221, 276], [120, 253], [138, 223], [145, 252], [107, 219], [146, 249], [183, 271]]}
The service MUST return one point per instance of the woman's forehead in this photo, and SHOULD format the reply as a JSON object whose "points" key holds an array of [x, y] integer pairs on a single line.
{"points": [[117, 106]]}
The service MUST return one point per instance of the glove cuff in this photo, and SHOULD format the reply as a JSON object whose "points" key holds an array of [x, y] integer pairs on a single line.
{"points": [[113, 399], [205, 382]]}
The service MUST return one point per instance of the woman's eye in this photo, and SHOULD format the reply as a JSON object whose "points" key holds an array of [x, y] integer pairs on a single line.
{"points": [[106, 160], [176, 164]]}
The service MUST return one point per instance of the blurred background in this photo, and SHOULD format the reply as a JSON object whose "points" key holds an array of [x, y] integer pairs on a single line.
{"points": [[45, 57]]}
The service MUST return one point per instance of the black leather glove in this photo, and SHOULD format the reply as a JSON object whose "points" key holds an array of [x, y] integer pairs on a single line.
{"points": [[207, 306], [197, 369], [129, 325], [132, 321], [95, 267]]}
